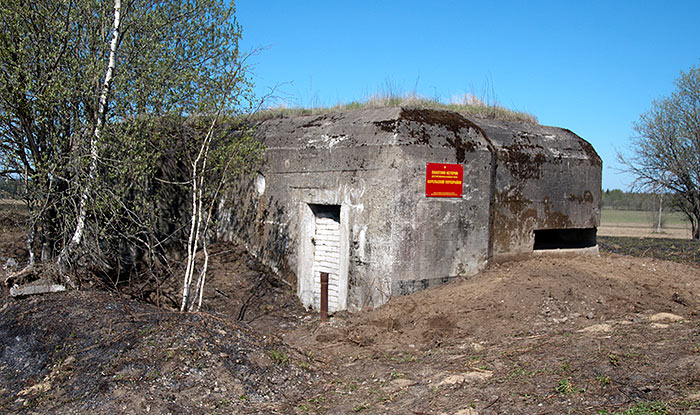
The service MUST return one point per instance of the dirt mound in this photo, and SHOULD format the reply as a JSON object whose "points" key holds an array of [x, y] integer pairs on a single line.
{"points": [[543, 335], [92, 352], [528, 298], [240, 287]]}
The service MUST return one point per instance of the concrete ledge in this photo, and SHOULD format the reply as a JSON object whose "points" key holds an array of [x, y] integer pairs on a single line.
{"points": [[593, 250], [17, 291]]}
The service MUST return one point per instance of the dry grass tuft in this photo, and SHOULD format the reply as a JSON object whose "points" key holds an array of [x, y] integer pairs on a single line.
{"points": [[467, 105]]}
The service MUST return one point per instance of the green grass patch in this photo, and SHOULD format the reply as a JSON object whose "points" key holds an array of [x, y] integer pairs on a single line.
{"points": [[279, 357], [603, 379], [643, 408], [566, 387]]}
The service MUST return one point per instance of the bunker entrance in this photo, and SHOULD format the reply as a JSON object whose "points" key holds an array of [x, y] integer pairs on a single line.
{"points": [[326, 243], [564, 238]]}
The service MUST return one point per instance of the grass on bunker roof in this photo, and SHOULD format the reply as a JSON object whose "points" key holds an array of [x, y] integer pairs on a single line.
{"points": [[469, 106]]}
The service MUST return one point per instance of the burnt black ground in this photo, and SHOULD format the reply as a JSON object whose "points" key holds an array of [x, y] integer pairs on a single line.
{"points": [[94, 352]]}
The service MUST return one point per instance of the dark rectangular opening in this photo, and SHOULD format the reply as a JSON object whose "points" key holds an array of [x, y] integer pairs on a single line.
{"points": [[326, 211], [565, 238]]}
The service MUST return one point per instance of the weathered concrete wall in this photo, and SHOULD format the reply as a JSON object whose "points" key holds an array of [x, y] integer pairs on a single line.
{"points": [[371, 165], [546, 178], [436, 239]]}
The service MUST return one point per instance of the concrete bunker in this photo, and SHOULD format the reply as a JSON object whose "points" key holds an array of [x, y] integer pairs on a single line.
{"points": [[347, 193]]}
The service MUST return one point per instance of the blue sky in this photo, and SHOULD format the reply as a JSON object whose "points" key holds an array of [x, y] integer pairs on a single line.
{"points": [[590, 66]]}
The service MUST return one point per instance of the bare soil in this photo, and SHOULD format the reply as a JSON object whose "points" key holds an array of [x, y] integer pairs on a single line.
{"points": [[545, 335], [540, 336]]}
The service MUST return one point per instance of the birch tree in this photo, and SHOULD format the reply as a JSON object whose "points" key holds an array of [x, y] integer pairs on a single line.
{"points": [[218, 162], [78, 80], [94, 152]]}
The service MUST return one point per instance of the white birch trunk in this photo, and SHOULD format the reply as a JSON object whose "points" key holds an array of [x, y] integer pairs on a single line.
{"points": [[30, 243], [191, 245], [203, 275], [197, 217], [94, 140], [210, 211]]}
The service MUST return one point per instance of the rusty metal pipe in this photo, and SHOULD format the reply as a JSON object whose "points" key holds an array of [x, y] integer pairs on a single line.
{"points": [[324, 296]]}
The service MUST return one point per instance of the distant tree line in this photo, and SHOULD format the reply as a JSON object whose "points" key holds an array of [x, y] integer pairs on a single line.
{"points": [[11, 188], [616, 199]]}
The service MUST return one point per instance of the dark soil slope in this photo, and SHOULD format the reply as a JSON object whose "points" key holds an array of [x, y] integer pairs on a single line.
{"points": [[92, 352]]}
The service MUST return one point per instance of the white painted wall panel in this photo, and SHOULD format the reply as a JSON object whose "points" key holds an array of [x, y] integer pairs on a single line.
{"points": [[327, 259]]}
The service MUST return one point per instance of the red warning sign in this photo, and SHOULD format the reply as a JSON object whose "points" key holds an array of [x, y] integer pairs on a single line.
{"points": [[443, 180]]}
